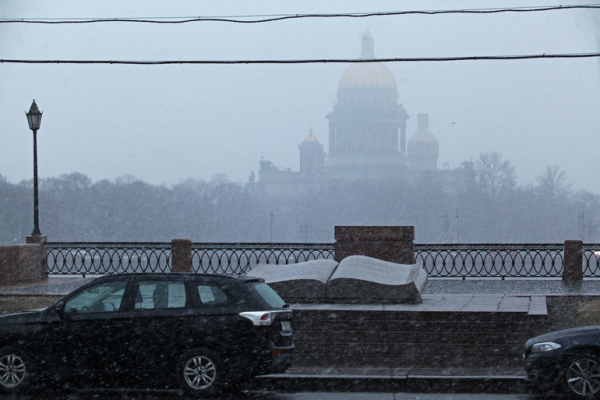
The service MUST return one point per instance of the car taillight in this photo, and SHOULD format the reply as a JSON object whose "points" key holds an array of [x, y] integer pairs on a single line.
{"points": [[265, 319], [258, 318]]}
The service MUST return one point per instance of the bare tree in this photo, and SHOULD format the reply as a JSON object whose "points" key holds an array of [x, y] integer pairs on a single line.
{"points": [[552, 182], [494, 175]]}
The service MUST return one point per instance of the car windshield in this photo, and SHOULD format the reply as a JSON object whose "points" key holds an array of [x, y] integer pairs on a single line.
{"points": [[269, 295]]}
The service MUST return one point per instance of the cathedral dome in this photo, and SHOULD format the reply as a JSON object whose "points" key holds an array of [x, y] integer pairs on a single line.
{"points": [[366, 74], [310, 137]]}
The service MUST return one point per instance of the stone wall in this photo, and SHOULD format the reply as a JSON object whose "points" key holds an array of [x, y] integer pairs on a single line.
{"points": [[21, 263], [398, 339]]}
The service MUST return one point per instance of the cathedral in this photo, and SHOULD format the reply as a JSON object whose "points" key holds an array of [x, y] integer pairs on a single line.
{"points": [[367, 136]]}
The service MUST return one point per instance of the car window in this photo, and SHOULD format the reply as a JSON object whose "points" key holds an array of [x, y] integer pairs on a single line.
{"points": [[104, 297], [152, 295], [211, 294], [269, 295]]}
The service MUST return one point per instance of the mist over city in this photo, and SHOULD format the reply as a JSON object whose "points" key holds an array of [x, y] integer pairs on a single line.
{"points": [[499, 151], [299, 200]]}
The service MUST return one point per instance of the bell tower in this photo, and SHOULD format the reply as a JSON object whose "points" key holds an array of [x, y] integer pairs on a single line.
{"points": [[312, 156]]}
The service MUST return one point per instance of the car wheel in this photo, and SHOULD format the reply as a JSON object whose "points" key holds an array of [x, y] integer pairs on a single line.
{"points": [[200, 372], [15, 370], [581, 376]]}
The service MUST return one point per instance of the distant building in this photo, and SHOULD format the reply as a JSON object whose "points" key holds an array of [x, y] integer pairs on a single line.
{"points": [[423, 147], [367, 136], [312, 156], [364, 124]]}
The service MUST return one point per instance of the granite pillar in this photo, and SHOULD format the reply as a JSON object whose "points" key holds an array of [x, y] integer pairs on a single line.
{"points": [[41, 241], [388, 243], [572, 261], [24, 262], [181, 255]]}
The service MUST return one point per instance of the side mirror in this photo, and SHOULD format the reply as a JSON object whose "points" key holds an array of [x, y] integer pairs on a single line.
{"points": [[60, 308]]}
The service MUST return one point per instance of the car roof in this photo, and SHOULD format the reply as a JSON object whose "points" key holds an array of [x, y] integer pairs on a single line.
{"points": [[184, 276]]}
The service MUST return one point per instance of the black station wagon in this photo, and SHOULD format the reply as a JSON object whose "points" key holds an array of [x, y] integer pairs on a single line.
{"points": [[567, 359], [200, 331]]}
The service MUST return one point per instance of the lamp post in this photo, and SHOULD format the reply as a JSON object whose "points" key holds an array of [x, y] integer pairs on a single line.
{"points": [[457, 226], [34, 118], [271, 226], [581, 218]]}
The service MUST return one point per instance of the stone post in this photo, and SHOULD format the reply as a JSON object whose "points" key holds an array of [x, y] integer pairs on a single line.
{"points": [[40, 240], [181, 255], [388, 243], [572, 261]]}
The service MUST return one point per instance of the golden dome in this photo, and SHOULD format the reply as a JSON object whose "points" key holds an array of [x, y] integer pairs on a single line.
{"points": [[367, 74], [310, 137]]}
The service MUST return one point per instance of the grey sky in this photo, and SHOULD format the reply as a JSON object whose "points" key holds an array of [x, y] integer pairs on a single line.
{"points": [[164, 124]]}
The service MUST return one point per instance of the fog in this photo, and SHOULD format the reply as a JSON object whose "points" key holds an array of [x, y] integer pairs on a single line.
{"points": [[164, 124]]}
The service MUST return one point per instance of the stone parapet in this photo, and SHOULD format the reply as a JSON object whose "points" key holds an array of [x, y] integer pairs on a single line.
{"points": [[22, 263], [388, 243], [181, 255], [40, 240], [573, 259]]}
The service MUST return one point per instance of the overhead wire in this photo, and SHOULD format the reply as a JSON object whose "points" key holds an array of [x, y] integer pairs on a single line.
{"points": [[253, 19], [306, 61], [279, 17]]}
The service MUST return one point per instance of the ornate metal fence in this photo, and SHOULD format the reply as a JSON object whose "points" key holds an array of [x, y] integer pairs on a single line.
{"points": [[107, 258], [491, 260], [591, 260], [239, 258], [440, 260], [223, 258]]}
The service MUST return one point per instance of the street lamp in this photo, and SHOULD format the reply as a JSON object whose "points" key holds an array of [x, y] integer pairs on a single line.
{"points": [[457, 226], [34, 118]]}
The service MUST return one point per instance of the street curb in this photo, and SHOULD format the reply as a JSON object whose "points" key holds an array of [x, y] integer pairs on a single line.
{"points": [[378, 383]]}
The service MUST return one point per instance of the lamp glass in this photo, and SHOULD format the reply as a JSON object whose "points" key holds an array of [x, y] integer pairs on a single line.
{"points": [[35, 120]]}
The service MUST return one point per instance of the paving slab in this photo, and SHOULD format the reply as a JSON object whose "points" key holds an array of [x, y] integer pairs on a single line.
{"points": [[515, 304], [537, 305], [530, 286], [445, 303]]}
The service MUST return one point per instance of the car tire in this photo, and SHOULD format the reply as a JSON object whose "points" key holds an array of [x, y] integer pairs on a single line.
{"points": [[15, 370], [580, 377], [201, 372]]}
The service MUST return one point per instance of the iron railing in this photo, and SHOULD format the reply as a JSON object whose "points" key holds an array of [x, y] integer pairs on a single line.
{"points": [[439, 260], [107, 258], [68, 258], [239, 258], [491, 260], [591, 260]]}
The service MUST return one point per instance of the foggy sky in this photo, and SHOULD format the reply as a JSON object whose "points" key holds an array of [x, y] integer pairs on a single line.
{"points": [[164, 124]]}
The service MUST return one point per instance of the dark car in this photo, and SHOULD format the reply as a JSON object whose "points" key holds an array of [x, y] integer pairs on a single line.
{"points": [[200, 331], [568, 359]]}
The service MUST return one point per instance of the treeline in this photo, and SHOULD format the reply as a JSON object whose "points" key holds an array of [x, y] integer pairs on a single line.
{"points": [[479, 202], [72, 208]]}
